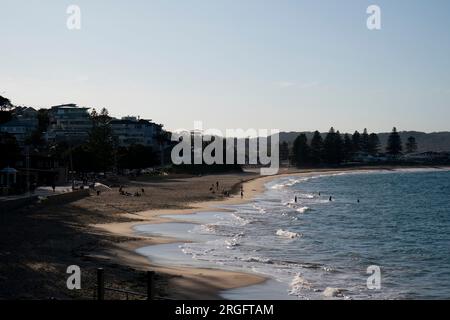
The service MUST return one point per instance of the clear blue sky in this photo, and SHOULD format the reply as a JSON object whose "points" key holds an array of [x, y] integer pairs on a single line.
{"points": [[291, 65]]}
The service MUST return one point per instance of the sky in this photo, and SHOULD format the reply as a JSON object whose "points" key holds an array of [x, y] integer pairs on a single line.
{"points": [[266, 64]]}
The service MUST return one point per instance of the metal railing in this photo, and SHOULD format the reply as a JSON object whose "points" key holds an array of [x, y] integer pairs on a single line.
{"points": [[99, 292]]}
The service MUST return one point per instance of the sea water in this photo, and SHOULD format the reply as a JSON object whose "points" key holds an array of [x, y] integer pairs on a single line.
{"points": [[401, 224]]}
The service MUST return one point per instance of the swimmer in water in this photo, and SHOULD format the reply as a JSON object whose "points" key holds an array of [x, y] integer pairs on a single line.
{"points": [[295, 199], [331, 198]]}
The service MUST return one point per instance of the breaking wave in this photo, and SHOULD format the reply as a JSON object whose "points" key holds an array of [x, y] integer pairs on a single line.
{"points": [[287, 234]]}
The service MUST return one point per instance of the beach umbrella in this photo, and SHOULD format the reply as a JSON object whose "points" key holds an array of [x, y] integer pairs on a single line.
{"points": [[101, 187]]}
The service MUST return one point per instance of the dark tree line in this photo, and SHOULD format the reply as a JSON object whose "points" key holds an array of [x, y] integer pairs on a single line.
{"points": [[101, 152], [336, 148], [208, 168]]}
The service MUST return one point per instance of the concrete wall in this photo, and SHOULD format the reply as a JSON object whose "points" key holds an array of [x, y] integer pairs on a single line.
{"points": [[63, 198], [57, 199]]}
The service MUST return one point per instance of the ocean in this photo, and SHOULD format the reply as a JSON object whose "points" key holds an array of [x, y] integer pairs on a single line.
{"points": [[398, 221]]}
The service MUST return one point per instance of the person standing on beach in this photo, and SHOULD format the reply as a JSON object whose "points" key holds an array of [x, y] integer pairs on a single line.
{"points": [[242, 193]]}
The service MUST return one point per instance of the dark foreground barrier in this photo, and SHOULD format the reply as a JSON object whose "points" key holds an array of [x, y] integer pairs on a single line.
{"points": [[99, 292], [14, 204], [62, 198], [54, 199]]}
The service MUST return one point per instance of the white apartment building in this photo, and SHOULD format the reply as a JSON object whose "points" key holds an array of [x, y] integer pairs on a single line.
{"points": [[68, 122], [131, 130]]}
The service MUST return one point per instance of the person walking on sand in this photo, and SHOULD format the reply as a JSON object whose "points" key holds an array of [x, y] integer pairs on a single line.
{"points": [[242, 193], [217, 185]]}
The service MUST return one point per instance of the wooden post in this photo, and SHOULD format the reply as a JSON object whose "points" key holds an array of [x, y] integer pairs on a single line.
{"points": [[100, 284], [150, 285]]}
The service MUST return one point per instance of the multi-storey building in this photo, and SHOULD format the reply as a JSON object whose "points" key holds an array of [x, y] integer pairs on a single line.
{"points": [[131, 130], [68, 122], [22, 125]]}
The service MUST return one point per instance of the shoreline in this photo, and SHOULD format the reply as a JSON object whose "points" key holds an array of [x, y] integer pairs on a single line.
{"points": [[197, 280], [193, 282]]}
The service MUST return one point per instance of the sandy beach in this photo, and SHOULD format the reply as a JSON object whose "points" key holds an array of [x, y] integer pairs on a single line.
{"points": [[192, 283], [40, 242]]}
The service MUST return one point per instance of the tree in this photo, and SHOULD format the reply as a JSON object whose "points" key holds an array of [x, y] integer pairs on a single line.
{"points": [[5, 116], [374, 144], [101, 118], [332, 147], [43, 120], [102, 142], [83, 158], [94, 114], [411, 145], [365, 141], [316, 148], [394, 145], [356, 138], [339, 147], [136, 157], [9, 150], [347, 148], [301, 150], [5, 104], [5, 112], [35, 139]]}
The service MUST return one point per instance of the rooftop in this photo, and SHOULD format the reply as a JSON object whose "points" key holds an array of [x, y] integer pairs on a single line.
{"points": [[68, 106]]}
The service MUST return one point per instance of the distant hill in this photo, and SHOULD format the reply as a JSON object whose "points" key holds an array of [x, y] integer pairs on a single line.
{"points": [[436, 141]]}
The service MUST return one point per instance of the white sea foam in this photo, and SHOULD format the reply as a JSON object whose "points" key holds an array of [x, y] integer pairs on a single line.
{"points": [[233, 242], [288, 183], [207, 228], [257, 259], [241, 221], [332, 292], [298, 285], [303, 209], [327, 269], [287, 234], [260, 209]]}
